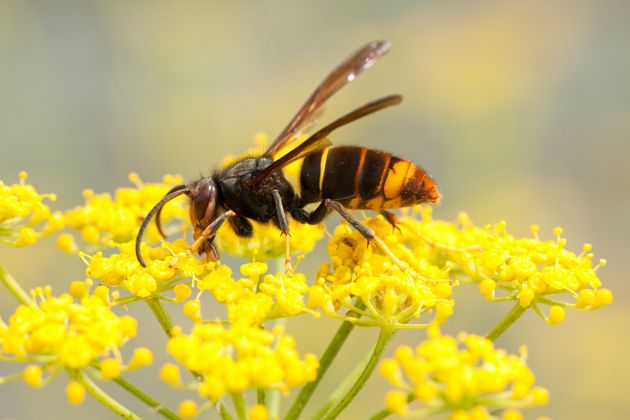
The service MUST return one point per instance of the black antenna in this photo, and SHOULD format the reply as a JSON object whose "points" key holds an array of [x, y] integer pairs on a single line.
{"points": [[156, 211]]}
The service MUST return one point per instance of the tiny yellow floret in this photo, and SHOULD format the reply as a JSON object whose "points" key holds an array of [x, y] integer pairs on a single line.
{"points": [[390, 369], [425, 392], [32, 375], [182, 292], [169, 373], [75, 392], [27, 236], [487, 287], [78, 289], [128, 326], [102, 292], [90, 234], [66, 243], [556, 314], [258, 412], [110, 368], [540, 396], [526, 296], [141, 357], [192, 309], [479, 413], [604, 297], [512, 414], [187, 409], [396, 402], [459, 414]]}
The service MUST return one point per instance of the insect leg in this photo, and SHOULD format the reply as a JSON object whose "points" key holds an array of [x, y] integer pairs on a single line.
{"points": [[363, 230], [283, 224], [211, 230], [318, 215], [241, 226], [392, 218], [354, 222]]}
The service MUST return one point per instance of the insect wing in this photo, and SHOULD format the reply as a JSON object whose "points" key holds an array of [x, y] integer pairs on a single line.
{"points": [[319, 141], [346, 72]]}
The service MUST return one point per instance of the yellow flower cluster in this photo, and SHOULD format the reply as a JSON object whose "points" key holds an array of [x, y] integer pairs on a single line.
{"points": [[252, 299], [267, 241], [240, 357], [71, 330], [391, 296], [166, 266], [529, 270], [534, 269], [467, 377], [104, 221], [257, 297], [21, 210]]}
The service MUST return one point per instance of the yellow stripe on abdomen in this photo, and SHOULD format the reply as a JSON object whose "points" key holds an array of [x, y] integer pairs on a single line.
{"points": [[395, 179], [322, 168]]}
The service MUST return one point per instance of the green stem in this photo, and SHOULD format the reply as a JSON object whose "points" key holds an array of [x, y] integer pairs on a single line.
{"points": [[160, 314], [239, 405], [224, 413], [260, 396], [125, 300], [383, 339], [155, 304], [324, 363], [384, 413], [342, 387], [102, 396], [14, 287], [9, 378], [147, 399], [506, 322], [273, 399]]}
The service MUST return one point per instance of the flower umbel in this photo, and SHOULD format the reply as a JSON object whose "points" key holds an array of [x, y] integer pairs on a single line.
{"points": [[166, 266], [267, 241], [67, 331], [258, 296], [528, 270], [105, 221], [462, 376], [236, 358], [392, 296], [22, 210]]}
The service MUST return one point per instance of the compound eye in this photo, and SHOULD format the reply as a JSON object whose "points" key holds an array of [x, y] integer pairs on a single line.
{"points": [[200, 202], [203, 202]]}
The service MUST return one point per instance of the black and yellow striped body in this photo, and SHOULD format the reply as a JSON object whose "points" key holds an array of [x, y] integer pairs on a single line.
{"points": [[360, 178]]}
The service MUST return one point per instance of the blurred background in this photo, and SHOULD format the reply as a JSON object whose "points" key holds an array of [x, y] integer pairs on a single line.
{"points": [[518, 109]]}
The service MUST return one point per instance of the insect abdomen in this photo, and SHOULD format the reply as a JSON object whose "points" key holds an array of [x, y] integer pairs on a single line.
{"points": [[360, 178]]}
